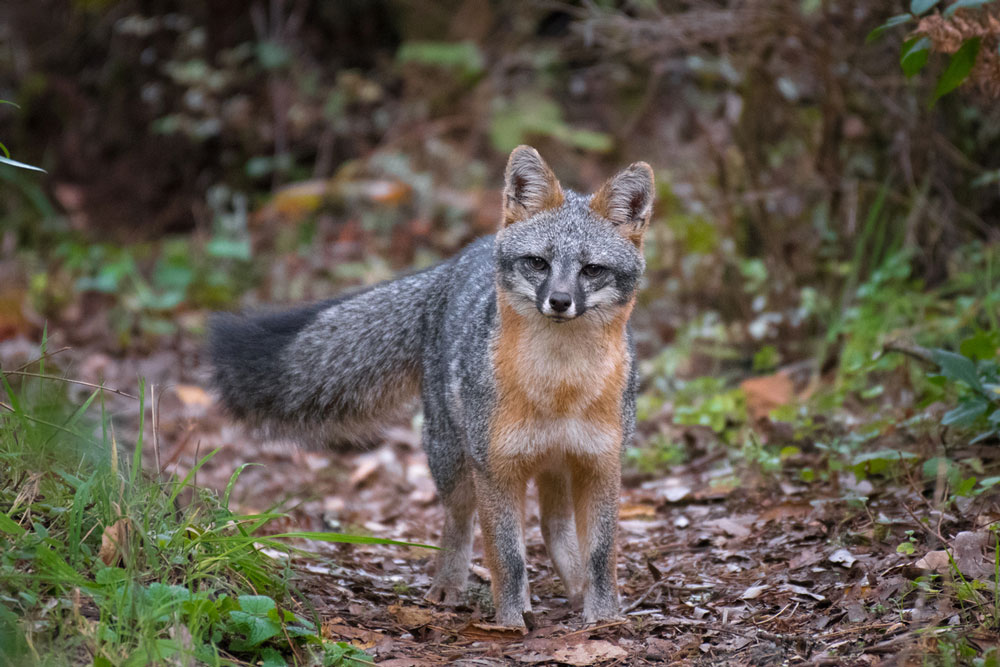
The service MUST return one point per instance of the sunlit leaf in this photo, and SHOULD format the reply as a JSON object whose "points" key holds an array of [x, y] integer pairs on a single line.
{"points": [[913, 55], [958, 68]]}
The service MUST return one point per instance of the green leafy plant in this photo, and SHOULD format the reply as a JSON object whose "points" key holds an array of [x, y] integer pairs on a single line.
{"points": [[975, 373], [915, 50], [83, 527]]}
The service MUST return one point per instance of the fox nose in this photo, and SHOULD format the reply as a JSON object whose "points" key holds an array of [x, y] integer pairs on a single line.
{"points": [[560, 301]]}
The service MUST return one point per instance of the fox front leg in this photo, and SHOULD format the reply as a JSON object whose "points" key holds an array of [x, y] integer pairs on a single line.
{"points": [[596, 484], [456, 542], [500, 504]]}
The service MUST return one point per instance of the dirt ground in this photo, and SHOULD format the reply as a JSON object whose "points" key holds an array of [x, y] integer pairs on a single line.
{"points": [[715, 565]]}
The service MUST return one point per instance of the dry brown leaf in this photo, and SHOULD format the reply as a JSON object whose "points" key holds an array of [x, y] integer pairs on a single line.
{"points": [[786, 511], [412, 617], [637, 511], [729, 527], [589, 652], [12, 319], [936, 561], [490, 632], [193, 396], [767, 393], [114, 542], [337, 629], [968, 549]]}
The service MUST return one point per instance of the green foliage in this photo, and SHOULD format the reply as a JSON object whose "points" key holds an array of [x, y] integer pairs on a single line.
{"points": [[958, 69], [181, 583], [977, 384], [534, 114], [915, 51], [464, 57]]}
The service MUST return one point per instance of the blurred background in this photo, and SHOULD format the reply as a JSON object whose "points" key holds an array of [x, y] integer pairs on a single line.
{"points": [[820, 196], [820, 318]]}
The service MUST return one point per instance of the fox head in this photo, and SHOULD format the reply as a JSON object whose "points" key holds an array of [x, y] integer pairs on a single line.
{"points": [[564, 255]]}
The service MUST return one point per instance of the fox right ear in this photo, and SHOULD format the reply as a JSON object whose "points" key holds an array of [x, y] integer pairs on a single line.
{"points": [[529, 186]]}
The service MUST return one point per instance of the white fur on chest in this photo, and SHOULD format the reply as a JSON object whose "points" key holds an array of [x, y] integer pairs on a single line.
{"points": [[548, 441], [554, 357]]}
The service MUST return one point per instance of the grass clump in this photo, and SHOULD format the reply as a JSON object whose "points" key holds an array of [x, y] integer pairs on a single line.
{"points": [[99, 563]]}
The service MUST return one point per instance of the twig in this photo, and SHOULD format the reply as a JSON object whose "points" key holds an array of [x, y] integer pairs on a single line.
{"points": [[595, 627], [44, 356], [915, 351], [71, 381], [663, 583]]}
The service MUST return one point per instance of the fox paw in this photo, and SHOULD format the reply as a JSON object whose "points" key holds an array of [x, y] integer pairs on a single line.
{"points": [[447, 594]]}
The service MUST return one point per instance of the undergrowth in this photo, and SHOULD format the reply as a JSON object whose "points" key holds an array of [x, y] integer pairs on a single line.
{"points": [[102, 564]]}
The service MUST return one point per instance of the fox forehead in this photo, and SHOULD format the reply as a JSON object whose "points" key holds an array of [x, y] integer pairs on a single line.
{"points": [[570, 232]]}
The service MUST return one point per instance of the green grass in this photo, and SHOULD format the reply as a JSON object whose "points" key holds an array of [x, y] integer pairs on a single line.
{"points": [[173, 580]]}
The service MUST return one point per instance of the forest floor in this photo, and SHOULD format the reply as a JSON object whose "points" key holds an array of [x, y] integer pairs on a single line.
{"points": [[716, 565]]}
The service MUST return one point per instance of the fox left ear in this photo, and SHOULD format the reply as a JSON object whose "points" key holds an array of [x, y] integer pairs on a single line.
{"points": [[627, 201], [529, 186]]}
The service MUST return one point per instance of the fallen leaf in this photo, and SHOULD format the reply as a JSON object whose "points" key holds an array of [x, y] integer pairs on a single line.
{"points": [[589, 652], [490, 632], [754, 592], [729, 527], [786, 511], [366, 468], [637, 511], [843, 557], [767, 393], [12, 319], [675, 493], [114, 542], [412, 617], [802, 590], [193, 396], [935, 561], [968, 549]]}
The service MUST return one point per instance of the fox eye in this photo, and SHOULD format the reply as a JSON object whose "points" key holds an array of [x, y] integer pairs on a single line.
{"points": [[537, 263], [593, 270]]}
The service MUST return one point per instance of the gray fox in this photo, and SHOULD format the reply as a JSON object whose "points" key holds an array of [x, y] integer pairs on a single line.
{"points": [[521, 350]]}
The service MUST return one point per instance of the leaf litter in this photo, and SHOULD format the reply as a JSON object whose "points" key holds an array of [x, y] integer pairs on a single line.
{"points": [[752, 570]]}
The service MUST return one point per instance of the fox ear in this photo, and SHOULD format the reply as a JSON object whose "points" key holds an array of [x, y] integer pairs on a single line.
{"points": [[529, 186], [627, 201]]}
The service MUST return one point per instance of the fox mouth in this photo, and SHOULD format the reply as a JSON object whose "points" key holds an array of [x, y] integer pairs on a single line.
{"points": [[559, 318]]}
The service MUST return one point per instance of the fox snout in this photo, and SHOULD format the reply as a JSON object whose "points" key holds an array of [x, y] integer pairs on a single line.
{"points": [[559, 306]]}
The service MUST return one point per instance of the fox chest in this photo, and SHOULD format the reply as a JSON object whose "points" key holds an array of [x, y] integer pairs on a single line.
{"points": [[557, 395]]}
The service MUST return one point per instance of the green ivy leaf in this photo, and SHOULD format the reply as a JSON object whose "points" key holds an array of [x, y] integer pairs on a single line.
{"points": [[956, 367], [958, 68], [964, 4], [906, 548], [899, 19], [918, 7], [913, 55]]}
